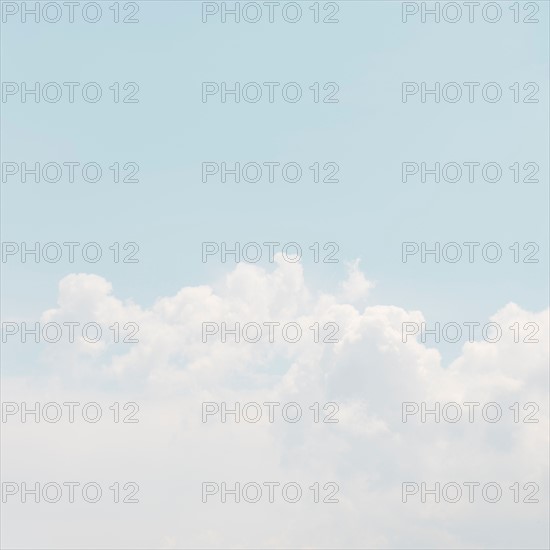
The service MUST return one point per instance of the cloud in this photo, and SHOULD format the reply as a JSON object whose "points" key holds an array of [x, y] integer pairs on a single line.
{"points": [[368, 373]]}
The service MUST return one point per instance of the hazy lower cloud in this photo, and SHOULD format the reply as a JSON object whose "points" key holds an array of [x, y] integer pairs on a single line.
{"points": [[369, 373]]}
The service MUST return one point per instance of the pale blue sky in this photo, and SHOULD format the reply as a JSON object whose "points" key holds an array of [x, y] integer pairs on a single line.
{"points": [[369, 133], [369, 213]]}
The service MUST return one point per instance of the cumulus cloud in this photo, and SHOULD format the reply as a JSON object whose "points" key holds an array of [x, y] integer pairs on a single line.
{"points": [[368, 373]]}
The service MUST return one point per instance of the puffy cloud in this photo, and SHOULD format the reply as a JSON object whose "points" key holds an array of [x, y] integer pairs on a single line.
{"points": [[368, 373]]}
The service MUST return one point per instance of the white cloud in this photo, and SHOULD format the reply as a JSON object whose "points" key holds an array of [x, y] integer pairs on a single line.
{"points": [[369, 373]]}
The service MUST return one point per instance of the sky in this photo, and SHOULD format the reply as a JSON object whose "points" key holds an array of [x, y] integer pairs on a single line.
{"points": [[361, 134]]}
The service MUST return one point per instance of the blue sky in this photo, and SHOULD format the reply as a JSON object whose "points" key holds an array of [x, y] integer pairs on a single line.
{"points": [[369, 213], [370, 132]]}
